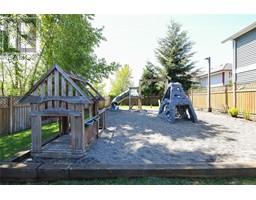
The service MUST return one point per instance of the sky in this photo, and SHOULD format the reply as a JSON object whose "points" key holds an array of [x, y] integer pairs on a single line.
{"points": [[132, 39]]}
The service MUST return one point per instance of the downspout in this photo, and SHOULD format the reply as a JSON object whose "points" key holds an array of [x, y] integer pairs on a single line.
{"points": [[234, 76]]}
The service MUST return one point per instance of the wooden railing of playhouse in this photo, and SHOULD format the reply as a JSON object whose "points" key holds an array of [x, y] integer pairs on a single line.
{"points": [[95, 126]]}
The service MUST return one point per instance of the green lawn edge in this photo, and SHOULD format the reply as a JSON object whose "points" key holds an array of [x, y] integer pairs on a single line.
{"points": [[11, 144]]}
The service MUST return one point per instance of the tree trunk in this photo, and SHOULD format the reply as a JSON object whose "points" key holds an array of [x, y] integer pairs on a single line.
{"points": [[3, 80]]}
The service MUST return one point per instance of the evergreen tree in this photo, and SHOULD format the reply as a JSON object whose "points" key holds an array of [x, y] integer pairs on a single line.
{"points": [[174, 54], [151, 71]]}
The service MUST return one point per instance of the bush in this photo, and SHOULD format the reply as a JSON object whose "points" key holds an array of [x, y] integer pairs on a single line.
{"points": [[246, 115], [233, 112]]}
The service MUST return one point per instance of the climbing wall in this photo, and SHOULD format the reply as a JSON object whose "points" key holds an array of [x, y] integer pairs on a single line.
{"points": [[175, 104]]}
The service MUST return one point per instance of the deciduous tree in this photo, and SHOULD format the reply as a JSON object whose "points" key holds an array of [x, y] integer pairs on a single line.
{"points": [[122, 81]]}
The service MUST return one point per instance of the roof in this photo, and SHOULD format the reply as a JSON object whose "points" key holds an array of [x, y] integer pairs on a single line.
{"points": [[86, 92], [241, 32], [221, 68]]}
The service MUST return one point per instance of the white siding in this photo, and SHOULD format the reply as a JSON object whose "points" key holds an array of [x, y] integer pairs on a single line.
{"points": [[246, 49], [216, 80], [246, 57]]}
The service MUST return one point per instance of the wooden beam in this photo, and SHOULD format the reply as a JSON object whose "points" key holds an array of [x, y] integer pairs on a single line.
{"points": [[63, 90], [72, 82], [56, 87], [49, 89], [36, 133], [55, 112], [70, 90], [67, 99], [43, 78], [56, 83], [43, 85]]}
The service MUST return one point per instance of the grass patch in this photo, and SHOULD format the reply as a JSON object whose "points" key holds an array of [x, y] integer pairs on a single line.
{"points": [[161, 181], [151, 181], [12, 144], [124, 107]]}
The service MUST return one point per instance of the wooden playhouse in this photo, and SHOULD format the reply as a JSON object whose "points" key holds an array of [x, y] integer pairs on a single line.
{"points": [[74, 103]]}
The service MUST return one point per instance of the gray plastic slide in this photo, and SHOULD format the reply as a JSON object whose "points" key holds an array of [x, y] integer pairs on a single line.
{"points": [[118, 99]]}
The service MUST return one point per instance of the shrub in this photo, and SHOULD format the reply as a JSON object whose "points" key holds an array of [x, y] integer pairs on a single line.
{"points": [[246, 115], [233, 112]]}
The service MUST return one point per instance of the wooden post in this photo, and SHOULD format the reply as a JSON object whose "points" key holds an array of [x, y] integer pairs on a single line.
{"points": [[130, 101], [42, 94], [56, 87], [10, 103], [209, 85], [64, 120], [36, 133], [49, 89], [234, 95], [63, 90], [139, 100], [77, 131], [70, 106], [226, 98], [64, 125]]}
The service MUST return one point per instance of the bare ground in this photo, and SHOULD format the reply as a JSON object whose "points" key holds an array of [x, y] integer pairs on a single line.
{"points": [[143, 138]]}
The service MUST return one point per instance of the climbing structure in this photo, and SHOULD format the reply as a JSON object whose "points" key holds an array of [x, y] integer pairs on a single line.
{"points": [[175, 104]]}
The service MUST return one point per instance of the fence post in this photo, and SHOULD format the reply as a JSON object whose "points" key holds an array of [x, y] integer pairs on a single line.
{"points": [[226, 98], [10, 103], [191, 94], [234, 95]]}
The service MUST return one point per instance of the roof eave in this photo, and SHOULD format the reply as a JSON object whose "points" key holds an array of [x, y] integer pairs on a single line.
{"points": [[241, 32]]}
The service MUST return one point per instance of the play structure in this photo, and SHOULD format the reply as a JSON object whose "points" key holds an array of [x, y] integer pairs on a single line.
{"points": [[71, 100], [132, 94], [176, 104]]}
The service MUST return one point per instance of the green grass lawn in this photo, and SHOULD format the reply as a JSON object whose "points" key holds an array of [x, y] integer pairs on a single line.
{"points": [[149, 181], [12, 144], [162, 181], [124, 107]]}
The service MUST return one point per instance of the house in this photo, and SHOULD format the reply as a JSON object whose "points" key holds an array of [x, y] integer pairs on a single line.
{"points": [[244, 55], [23, 38], [220, 76]]}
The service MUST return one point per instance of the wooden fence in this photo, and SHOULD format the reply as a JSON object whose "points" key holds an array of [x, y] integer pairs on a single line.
{"points": [[222, 98], [15, 117], [146, 100]]}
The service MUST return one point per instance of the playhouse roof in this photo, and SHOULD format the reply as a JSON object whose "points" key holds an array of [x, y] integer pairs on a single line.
{"points": [[85, 92]]}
